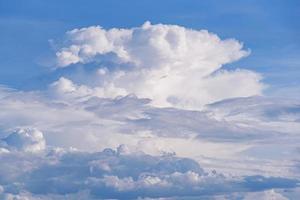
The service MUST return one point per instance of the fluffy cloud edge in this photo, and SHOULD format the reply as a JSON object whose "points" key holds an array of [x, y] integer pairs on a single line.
{"points": [[172, 65]]}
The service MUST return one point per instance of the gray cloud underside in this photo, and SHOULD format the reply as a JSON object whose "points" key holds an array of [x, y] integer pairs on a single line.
{"points": [[115, 174]]}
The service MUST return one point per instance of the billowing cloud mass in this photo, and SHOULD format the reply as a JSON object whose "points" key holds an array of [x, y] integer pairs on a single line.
{"points": [[61, 174], [148, 113], [172, 65], [28, 140]]}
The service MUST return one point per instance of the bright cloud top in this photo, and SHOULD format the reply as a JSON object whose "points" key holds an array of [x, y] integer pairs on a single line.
{"points": [[172, 65]]}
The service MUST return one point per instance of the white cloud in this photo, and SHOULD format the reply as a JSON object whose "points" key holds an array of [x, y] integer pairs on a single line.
{"points": [[172, 65], [152, 46], [66, 89], [266, 195], [28, 140]]}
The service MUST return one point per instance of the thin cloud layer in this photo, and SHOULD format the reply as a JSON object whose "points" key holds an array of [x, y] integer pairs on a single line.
{"points": [[170, 64]]}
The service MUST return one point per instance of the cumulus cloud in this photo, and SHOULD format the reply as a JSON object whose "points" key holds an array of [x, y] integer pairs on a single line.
{"points": [[151, 46], [170, 64], [28, 140]]}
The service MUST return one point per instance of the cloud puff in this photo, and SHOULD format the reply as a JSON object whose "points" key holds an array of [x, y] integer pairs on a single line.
{"points": [[151, 46], [172, 65], [28, 140]]}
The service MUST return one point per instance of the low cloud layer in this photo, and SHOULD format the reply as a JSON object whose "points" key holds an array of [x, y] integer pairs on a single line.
{"points": [[121, 174], [64, 146], [172, 65]]}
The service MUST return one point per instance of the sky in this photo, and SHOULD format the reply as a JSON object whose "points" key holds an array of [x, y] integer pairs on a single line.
{"points": [[147, 99], [271, 31]]}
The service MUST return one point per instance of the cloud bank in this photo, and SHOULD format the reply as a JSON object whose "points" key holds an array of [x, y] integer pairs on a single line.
{"points": [[172, 65], [56, 173]]}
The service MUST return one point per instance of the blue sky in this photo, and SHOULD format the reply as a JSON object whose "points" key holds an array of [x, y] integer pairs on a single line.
{"points": [[270, 30]]}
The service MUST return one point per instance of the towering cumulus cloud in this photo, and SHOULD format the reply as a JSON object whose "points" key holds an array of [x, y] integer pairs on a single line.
{"points": [[172, 65]]}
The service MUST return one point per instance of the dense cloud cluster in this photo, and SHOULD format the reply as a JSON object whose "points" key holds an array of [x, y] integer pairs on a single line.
{"points": [[172, 65], [116, 174]]}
